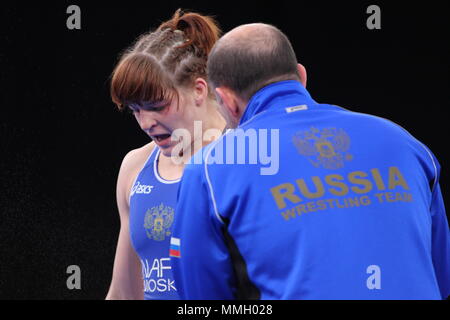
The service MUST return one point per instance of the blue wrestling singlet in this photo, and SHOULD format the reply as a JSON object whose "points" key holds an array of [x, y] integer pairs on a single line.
{"points": [[152, 205]]}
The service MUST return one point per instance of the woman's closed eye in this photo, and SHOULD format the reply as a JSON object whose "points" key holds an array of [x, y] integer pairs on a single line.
{"points": [[153, 107]]}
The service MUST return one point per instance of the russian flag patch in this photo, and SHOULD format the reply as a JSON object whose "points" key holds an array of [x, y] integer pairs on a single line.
{"points": [[175, 247]]}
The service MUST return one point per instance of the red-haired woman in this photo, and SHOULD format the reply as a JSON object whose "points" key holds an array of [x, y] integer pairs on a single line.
{"points": [[162, 79]]}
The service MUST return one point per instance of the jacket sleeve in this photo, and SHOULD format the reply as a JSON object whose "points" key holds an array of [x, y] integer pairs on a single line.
{"points": [[203, 269], [440, 242], [440, 237]]}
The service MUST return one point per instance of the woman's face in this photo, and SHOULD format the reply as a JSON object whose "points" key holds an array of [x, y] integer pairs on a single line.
{"points": [[160, 119]]}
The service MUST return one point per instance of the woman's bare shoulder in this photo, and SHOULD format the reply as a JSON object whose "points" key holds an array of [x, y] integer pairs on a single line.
{"points": [[136, 158]]}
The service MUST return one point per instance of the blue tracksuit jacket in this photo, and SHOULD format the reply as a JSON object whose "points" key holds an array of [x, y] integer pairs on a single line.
{"points": [[311, 201]]}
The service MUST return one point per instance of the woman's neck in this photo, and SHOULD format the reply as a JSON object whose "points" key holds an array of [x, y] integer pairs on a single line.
{"points": [[212, 124]]}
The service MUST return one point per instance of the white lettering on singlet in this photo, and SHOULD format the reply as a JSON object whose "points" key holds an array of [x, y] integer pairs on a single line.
{"points": [[155, 277], [139, 188]]}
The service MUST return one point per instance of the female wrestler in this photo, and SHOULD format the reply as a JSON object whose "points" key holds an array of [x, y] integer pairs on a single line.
{"points": [[162, 80]]}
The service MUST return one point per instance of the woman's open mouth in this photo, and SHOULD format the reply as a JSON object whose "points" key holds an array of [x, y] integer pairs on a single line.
{"points": [[161, 137]]}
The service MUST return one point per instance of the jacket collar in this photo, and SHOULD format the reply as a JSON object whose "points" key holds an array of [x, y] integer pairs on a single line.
{"points": [[289, 92]]}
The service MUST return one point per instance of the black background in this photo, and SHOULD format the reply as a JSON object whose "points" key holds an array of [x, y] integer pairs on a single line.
{"points": [[62, 141]]}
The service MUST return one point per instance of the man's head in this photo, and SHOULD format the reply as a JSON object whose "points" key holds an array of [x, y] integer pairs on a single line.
{"points": [[247, 59]]}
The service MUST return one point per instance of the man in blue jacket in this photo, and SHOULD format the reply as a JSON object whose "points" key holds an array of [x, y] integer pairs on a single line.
{"points": [[349, 208]]}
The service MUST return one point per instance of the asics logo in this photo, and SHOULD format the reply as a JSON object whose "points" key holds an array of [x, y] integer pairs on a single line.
{"points": [[139, 188]]}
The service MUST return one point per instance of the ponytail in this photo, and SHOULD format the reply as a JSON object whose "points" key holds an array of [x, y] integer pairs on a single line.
{"points": [[200, 31]]}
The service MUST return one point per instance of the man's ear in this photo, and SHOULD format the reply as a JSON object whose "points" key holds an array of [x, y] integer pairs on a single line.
{"points": [[302, 72], [228, 100], [200, 90]]}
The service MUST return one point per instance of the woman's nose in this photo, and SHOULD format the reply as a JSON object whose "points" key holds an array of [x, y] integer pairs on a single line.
{"points": [[146, 120]]}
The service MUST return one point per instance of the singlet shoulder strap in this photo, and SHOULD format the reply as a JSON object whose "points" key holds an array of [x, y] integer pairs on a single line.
{"points": [[156, 173], [148, 163], [152, 157]]}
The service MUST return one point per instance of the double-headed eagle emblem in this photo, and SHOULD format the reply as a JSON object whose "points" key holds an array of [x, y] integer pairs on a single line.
{"points": [[325, 148], [158, 221]]}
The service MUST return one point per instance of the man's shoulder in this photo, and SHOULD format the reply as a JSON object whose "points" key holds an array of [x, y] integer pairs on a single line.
{"points": [[372, 121]]}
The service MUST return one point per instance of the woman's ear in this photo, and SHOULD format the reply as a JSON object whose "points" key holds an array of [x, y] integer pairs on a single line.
{"points": [[200, 91]]}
